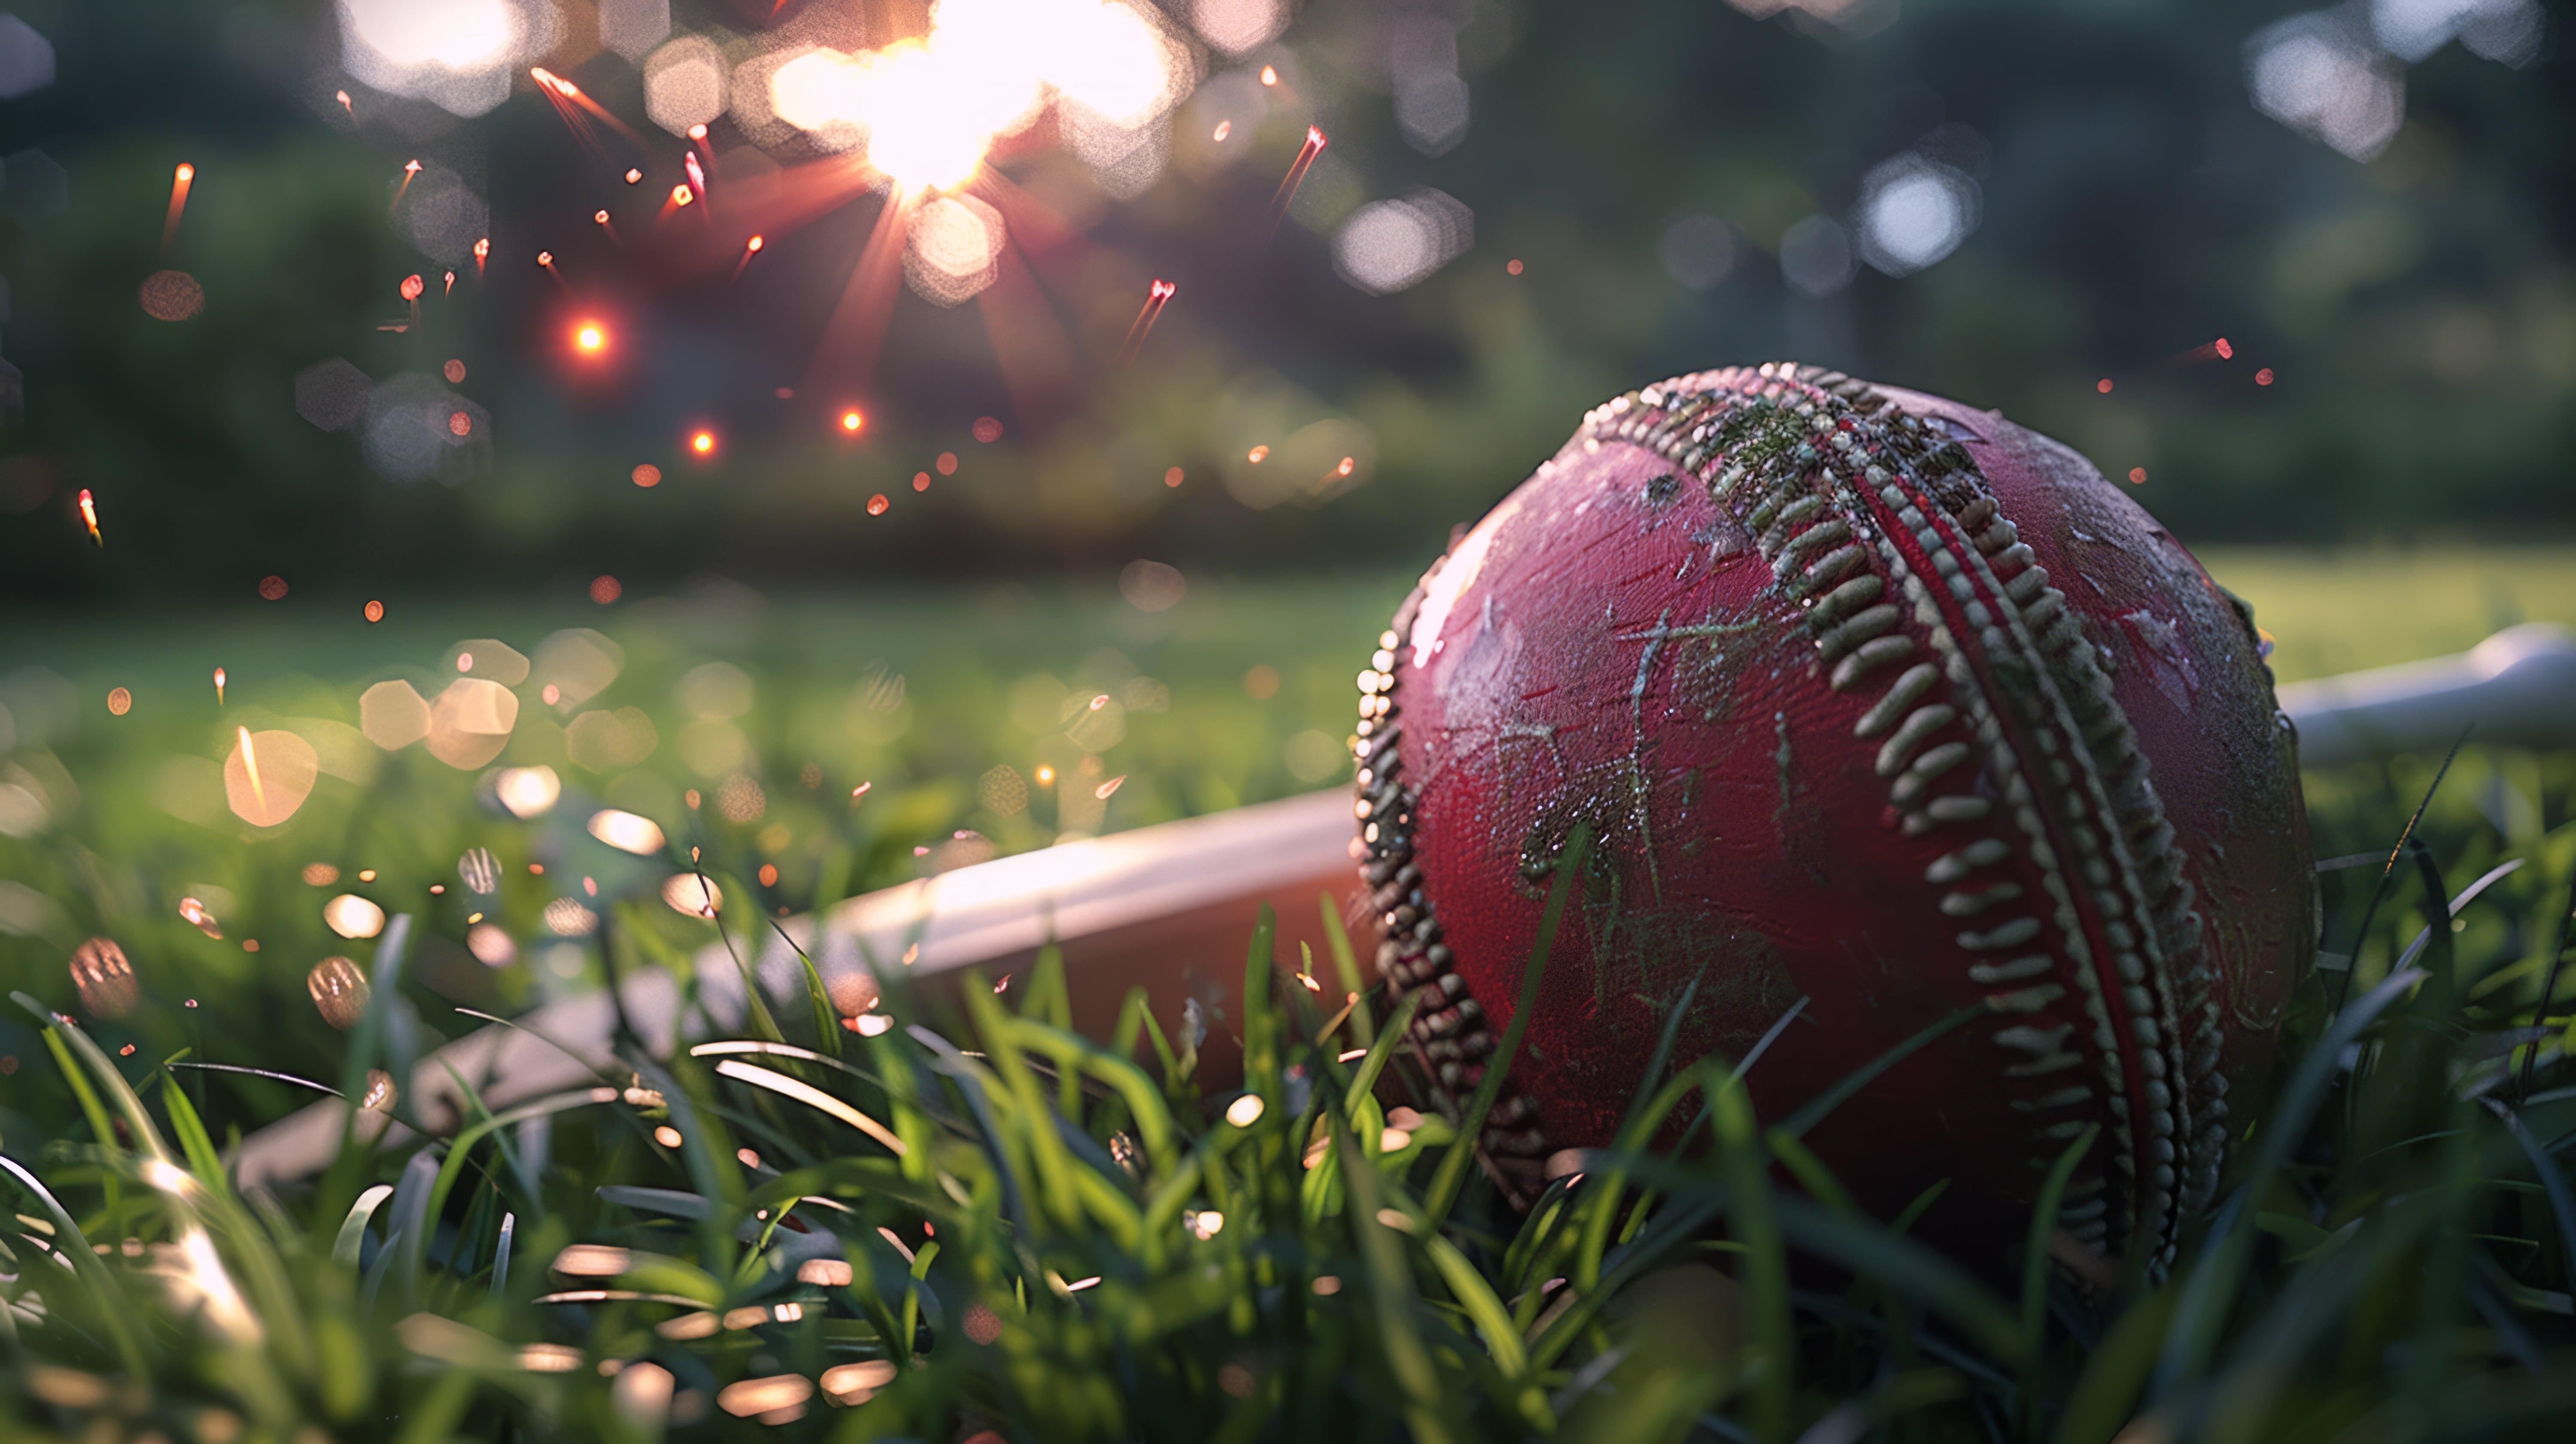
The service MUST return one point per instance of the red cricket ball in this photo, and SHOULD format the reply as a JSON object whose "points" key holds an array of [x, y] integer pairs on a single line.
{"points": [[1878, 709]]}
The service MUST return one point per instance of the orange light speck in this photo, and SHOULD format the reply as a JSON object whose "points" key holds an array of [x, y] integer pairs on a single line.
{"points": [[877, 504], [1257, 454], [600, 216], [681, 194], [647, 475], [1270, 75], [947, 463], [754, 244], [374, 611], [632, 176], [703, 443], [2103, 385], [853, 421], [1512, 267], [590, 337], [186, 171]]}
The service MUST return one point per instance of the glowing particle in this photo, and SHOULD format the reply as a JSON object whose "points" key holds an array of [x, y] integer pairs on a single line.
{"points": [[1512, 267], [272, 588], [2137, 475], [589, 337], [465, 661], [105, 980], [454, 369], [460, 423], [1046, 776], [1172, 477], [1257, 454], [340, 992], [411, 168], [1270, 75], [1204, 1224], [988, 429], [853, 421], [545, 258], [320, 874], [352, 916], [1345, 468], [89, 511], [195, 914], [860, 791], [681, 195], [1099, 701], [754, 244], [667, 1136], [552, 694], [626, 832], [2263, 377], [451, 290], [768, 874], [1102, 792], [1224, 128], [366, 874], [119, 702], [703, 443], [605, 589], [523, 792], [1261, 682], [692, 895], [2103, 386], [482, 249], [921, 481], [947, 463], [599, 217], [374, 611], [697, 132], [412, 286], [1244, 1111], [2225, 351], [219, 686], [877, 504], [1156, 295], [647, 475], [1305, 161], [633, 175], [342, 96]]}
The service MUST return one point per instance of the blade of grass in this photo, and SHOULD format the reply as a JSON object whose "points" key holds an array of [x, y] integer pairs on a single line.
{"points": [[1451, 1175], [115, 1311], [1822, 1105], [2388, 871], [1391, 1295], [1346, 969], [1763, 1270]]}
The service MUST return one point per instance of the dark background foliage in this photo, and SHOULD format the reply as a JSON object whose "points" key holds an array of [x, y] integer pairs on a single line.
{"points": [[2418, 308]]}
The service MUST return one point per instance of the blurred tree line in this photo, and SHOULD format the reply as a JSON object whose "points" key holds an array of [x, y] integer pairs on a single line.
{"points": [[1650, 183]]}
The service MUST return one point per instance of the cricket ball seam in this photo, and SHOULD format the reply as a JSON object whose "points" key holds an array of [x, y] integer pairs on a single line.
{"points": [[1869, 524]]}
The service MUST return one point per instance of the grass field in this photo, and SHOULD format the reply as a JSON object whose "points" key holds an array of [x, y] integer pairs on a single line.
{"points": [[2396, 1260]]}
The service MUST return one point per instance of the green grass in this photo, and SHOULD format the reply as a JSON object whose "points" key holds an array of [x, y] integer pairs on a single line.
{"points": [[2392, 1257], [2339, 611]]}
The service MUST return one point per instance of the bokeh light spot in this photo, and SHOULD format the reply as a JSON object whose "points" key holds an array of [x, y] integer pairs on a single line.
{"points": [[119, 701], [605, 589], [877, 504], [172, 296], [647, 474]]}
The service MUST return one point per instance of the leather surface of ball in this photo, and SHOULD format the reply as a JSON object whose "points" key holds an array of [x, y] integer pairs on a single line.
{"points": [[1880, 710]]}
